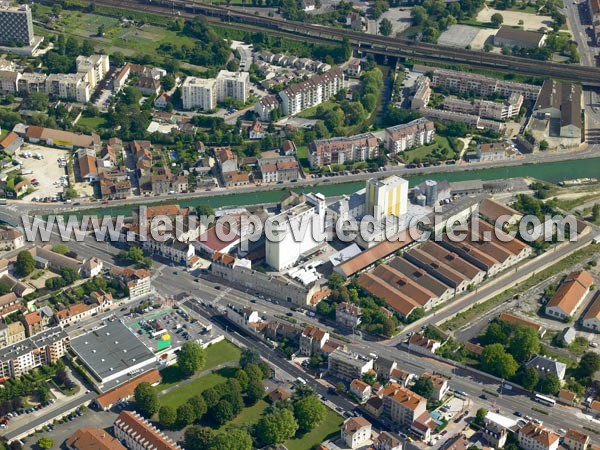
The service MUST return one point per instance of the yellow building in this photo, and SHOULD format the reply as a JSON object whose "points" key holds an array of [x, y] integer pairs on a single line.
{"points": [[387, 197]]}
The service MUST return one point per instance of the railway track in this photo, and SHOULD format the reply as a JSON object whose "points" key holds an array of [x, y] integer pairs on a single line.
{"points": [[364, 42]]}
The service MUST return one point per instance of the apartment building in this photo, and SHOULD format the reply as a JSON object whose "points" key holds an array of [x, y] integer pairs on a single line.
{"points": [[31, 82], [341, 150], [535, 437], [139, 434], [9, 81], [483, 86], [138, 282], [233, 85], [11, 333], [284, 251], [204, 93], [312, 340], [348, 314], [487, 109], [347, 366], [413, 134], [576, 440], [356, 432], [265, 107], [95, 67], [283, 168], [401, 405], [10, 239], [71, 86], [439, 383], [421, 93], [37, 321], [93, 438], [165, 184], [16, 26], [471, 120], [41, 349], [360, 389], [199, 93], [312, 92]]}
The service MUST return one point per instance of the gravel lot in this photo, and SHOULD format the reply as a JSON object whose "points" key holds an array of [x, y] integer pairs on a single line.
{"points": [[46, 170], [531, 22], [400, 18], [458, 36]]}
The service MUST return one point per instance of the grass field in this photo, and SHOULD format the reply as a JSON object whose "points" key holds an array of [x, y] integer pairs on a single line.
{"points": [[216, 354], [3, 133], [92, 122], [425, 151], [329, 427], [310, 113], [249, 416], [181, 394]]}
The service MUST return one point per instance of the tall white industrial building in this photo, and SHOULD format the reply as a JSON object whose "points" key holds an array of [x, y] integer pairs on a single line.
{"points": [[386, 197], [297, 231]]}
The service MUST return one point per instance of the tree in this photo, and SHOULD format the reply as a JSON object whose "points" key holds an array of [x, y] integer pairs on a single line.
{"points": [[185, 414], [588, 365], [222, 412], [167, 82], [385, 27], [131, 95], [25, 263], [529, 378], [235, 439], [480, 416], [198, 438], [190, 358], [276, 428], [340, 387], [544, 145], [37, 101], [495, 334], [45, 443], [389, 326], [4, 288], [524, 342], [550, 384], [167, 416], [199, 406], [254, 392], [596, 212], [146, 399], [335, 281], [233, 65], [419, 15], [211, 397], [497, 19], [69, 274], [60, 248], [101, 30], [309, 412], [423, 386], [254, 372], [242, 377], [249, 356], [135, 254], [496, 361]]}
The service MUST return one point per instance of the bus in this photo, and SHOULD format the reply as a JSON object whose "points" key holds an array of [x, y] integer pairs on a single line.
{"points": [[544, 400]]}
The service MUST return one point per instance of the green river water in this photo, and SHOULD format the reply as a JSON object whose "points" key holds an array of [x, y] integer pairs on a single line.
{"points": [[552, 172]]}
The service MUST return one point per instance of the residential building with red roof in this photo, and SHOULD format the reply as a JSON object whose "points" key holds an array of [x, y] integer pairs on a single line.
{"points": [[401, 405], [360, 389], [356, 432], [126, 390], [569, 295], [139, 434], [535, 437], [93, 439]]}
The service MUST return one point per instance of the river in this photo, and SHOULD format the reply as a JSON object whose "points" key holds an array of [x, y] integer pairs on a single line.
{"points": [[552, 172]]}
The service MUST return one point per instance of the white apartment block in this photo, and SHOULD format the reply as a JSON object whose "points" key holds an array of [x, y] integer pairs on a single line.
{"points": [[95, 67], [486, 108], [69, 86], [31, 82], [199, 93], [8, 81], [295, 232], [340, 150], [313, 92], [41, 349], [204, 93], [232, 85], [413, 134]]}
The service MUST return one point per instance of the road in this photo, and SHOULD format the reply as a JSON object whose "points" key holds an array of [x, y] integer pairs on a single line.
{"points": [[578, 19]]}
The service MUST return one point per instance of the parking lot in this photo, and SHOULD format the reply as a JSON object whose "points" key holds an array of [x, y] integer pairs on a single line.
{"points": [[46, 171], [157, 327]]}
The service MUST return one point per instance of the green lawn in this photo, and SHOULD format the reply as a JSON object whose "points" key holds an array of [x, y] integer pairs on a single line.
{"points": [[431, 150], [181, 394], [249, 416], [329, 427], [94, 123], [220, 353], [310, 113], [216, 354], [4, 132]]}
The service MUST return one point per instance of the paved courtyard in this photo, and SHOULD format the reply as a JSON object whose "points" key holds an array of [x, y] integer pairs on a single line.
{"points": [[531, 22], [400, 18], [459, 36], [46, 171]]}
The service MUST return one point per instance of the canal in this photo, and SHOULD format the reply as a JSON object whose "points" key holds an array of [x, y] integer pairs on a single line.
{"points": [[552, 172]]}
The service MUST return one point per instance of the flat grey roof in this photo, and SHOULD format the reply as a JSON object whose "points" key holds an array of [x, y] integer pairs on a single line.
{"points": [[111, 349]]}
